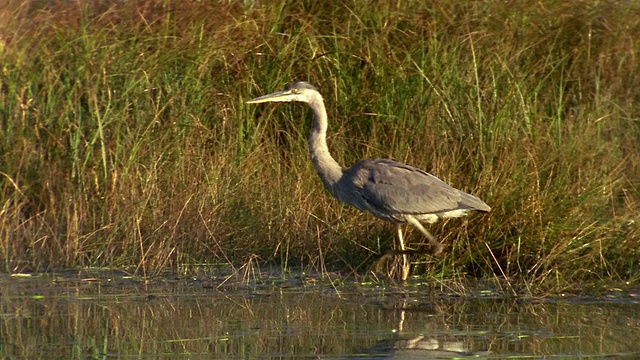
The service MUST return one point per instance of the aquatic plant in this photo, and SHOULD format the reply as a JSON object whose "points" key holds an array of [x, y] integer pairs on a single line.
{"points": [[125, 141]]}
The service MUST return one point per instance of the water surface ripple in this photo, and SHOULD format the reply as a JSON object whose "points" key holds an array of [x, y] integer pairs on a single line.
{"points": [[88, 315]]}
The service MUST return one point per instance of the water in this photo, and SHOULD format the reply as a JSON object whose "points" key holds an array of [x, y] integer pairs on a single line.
{"points": [[108, 315]]}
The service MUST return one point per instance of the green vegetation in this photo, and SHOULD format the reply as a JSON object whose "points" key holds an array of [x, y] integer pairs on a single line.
{"points": [[125, 141]]}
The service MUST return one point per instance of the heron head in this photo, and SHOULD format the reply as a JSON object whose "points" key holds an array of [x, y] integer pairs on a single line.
{"points": [[298, 91]]}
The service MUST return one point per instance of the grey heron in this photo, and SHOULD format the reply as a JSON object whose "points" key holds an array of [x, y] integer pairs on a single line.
{"points": [[388, 189]]}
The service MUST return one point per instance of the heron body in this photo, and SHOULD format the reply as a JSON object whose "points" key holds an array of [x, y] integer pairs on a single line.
{"points": [[388, 189]]}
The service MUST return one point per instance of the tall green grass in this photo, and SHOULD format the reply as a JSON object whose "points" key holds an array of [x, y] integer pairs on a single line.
{"points": [[125, 139]]}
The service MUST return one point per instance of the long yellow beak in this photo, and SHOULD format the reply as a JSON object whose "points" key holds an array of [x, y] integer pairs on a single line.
{"points": [[280, 96]]}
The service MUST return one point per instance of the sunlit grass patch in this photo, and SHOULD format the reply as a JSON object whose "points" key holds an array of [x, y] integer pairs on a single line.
{"points": [[125, 140]]}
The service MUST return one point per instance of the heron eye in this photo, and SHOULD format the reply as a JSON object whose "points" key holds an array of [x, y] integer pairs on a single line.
{"points": [[294, 91]]}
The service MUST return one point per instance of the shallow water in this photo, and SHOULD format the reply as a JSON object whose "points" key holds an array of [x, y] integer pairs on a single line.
{"points": [[109, 315]]}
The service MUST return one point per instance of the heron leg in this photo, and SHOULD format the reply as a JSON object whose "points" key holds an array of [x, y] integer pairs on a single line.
{"points": [[406, 266], [437, 246]]}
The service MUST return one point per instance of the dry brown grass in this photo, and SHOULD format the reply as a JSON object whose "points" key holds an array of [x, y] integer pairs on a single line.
{"points": [[126, 142]]}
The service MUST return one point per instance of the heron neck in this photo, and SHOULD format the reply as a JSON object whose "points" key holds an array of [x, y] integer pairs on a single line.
{"points": [[327, 167]]}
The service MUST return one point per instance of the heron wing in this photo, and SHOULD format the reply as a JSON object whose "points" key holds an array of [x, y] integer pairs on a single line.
{"points": [[391, 188]]}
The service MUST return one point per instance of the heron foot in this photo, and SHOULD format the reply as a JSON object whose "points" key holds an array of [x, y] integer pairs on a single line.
{"points": [[437, 248], [395, 261]]}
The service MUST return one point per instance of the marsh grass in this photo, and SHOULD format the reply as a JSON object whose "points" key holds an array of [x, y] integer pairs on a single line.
{"points": [[125, 140]]}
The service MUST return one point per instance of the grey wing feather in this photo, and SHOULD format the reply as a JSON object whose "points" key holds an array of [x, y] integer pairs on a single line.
{"points": [[391, 188]]}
